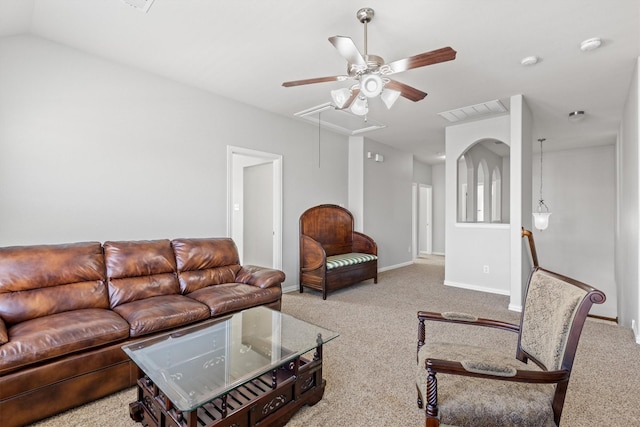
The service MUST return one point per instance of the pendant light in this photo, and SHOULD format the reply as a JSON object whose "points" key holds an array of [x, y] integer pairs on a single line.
{"points": [[541, 215]]}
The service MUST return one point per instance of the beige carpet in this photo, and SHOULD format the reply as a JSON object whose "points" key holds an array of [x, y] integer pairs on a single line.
{"points": [[370, 367]]}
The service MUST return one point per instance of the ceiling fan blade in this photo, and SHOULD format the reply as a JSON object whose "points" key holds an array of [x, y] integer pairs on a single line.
{"points": [[407, 91], [347, 48], [428, 58], [315, 80]]}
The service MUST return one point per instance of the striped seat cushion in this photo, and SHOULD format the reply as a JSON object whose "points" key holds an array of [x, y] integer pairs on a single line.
{"points": [[342, 260]]}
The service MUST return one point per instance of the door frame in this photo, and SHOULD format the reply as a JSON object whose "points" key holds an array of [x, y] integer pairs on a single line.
{"points": [[276, 161], [421, 217]]}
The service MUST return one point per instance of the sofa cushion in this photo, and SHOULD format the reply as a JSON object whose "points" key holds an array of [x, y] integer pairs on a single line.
{"points": [[231, 297], [59, 334], [139, 270], [37, 281], [205, 262], [161, 312], [343, 260]]}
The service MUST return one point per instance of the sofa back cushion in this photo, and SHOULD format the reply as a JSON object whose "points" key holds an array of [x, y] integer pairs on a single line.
{"points": [[205, 262], [331, 226], [140, 269], [37, 281]]}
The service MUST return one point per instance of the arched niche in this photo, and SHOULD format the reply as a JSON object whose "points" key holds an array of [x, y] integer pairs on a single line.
{"points": [[483, 184]]}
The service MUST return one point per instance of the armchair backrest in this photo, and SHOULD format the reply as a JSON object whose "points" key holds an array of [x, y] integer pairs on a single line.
{"points": [[331, 226], [553, 315]]}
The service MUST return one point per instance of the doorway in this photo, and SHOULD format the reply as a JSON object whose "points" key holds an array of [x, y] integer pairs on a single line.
{"points": [[422, 222], [425, 213], [254, 205]]}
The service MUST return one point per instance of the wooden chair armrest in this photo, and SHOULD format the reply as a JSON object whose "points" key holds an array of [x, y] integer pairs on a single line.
{"points": [[466, 319], [312, 254], [456, 368], [364, 244]]}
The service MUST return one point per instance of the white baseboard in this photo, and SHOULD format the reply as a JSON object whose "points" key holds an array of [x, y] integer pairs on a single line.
{"points": [[476, 288], [438, 253], [634, 328], [393, 267], [290, 288], [516, 308]]}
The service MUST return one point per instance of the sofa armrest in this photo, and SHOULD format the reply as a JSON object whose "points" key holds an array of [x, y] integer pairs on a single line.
{"points": [[364, 244], [312, 254], [261, 277], [4, 335]]}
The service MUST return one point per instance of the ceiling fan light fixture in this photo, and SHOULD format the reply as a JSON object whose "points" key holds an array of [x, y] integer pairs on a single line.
{"points": [[340, 97], [389, 97], [371, 85], [360, 106]]}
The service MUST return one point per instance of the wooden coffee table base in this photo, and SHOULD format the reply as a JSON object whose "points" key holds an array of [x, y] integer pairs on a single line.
{"points": [[269, 400]]}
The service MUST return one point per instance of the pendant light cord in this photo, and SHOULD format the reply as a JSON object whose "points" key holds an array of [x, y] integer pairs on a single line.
{"points": [[541, 141]]}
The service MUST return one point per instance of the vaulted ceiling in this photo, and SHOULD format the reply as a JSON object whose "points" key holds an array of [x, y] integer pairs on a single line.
{"points": [[245, 49]]}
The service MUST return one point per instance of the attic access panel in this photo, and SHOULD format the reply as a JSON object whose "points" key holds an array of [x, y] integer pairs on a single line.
{"points": [[341, 121]]}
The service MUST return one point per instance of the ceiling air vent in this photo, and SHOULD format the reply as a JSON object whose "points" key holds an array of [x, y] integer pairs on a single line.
{"points": [[474, 111], [142, 5], [341, 121]]}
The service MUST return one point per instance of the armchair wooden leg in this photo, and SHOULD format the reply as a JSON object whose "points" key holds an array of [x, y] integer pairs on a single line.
{"points": [[431, 408]]}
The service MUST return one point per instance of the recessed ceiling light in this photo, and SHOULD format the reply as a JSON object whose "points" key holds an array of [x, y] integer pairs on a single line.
{"points": [[576, 116], [590, 44], [530, 60]]}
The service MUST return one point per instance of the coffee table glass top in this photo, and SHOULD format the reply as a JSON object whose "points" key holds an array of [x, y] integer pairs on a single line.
{"points": [[197, 364]]}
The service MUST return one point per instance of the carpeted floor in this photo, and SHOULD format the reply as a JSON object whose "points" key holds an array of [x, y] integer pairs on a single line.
{"points": [[370, 367]]}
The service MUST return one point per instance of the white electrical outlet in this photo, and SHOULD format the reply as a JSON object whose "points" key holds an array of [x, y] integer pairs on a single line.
{"points": [[485, 269]]}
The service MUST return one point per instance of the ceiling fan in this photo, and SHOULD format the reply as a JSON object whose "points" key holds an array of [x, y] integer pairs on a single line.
{"points": [[371, 72]]}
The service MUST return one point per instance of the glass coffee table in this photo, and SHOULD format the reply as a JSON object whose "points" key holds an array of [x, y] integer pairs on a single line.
{"points": [[255, 367]]}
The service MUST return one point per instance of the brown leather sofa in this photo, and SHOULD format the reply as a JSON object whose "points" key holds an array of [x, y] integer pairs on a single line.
{"points": [[66, 310]]}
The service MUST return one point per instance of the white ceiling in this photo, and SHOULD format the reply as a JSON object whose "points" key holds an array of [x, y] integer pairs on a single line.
{"points": [[245, 49]]}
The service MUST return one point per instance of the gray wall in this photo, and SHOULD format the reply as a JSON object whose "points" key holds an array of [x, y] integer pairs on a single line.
{"points": [[388, 204], [439, 193], [472, 247], [92, 150], [627, 235], [422, 173], [579, 188]]}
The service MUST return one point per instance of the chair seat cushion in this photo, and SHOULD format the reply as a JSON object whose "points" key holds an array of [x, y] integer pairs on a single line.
{"points": [[231, 297], [466, 401], [343, 260], [161, 312], [59, 334]]}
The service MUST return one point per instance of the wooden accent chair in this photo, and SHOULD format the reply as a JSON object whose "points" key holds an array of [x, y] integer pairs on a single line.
{"points": [[532, 246], [332, 254], [483, 386]]}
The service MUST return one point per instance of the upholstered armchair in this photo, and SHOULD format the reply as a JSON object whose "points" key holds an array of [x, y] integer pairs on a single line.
{"points": [[463, 385]]}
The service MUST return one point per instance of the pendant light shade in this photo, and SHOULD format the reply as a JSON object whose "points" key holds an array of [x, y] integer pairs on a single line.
{"points": [[389, 97], [541, 220], [359, 106], [340, 96]]}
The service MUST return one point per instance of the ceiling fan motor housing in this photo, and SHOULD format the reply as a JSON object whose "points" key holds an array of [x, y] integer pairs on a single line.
{"points": [[365, 14]]}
